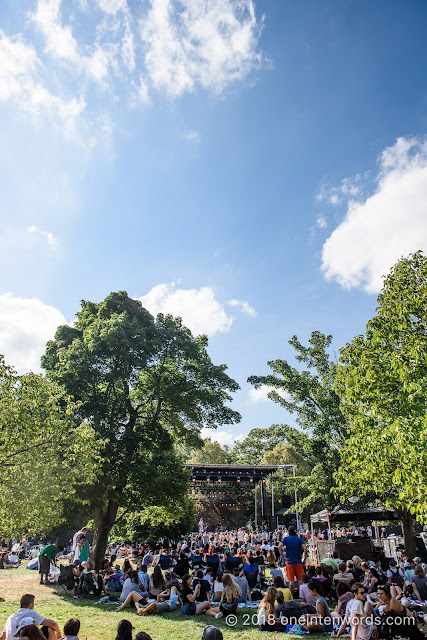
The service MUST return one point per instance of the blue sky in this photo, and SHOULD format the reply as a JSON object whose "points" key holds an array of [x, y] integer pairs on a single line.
{"points": [[254, 167]]}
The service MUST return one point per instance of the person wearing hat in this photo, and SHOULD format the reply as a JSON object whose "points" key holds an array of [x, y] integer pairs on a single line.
{"points": [[29, 631], [27, 612]]}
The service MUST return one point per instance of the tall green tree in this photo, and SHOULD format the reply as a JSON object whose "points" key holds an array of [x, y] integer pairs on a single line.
{"points": [[210, 453], [310, 395], [144, 384], [44, 453], [261, 440], [382, 381]]}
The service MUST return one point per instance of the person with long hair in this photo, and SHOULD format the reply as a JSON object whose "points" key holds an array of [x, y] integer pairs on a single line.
{"points": [[124, 630], [344, 595], [157, 582], [321, 621], [132, 593], [267, 620], [396, 620], [126, 568], [229, 599], [190, 606]]}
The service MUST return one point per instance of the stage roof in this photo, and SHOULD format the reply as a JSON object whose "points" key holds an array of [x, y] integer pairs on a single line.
{"points": [[231, 472], [369, 514]]}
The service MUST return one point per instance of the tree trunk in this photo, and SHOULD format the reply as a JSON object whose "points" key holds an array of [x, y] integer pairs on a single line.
{"points": [[408, 532], [104, 522]]}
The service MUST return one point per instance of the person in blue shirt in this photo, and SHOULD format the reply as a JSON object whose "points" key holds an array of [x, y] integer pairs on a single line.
{"points": [[294, 551]]}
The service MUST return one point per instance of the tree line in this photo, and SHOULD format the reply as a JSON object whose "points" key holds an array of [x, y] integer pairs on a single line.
{"points": [[105, 433]]}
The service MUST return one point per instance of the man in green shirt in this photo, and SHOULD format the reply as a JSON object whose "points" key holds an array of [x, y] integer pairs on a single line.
{"points": [[46, 557]]}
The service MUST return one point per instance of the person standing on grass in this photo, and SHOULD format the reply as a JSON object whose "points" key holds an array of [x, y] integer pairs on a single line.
{"points": [[27, 612], [46, 558], [295, 556]]}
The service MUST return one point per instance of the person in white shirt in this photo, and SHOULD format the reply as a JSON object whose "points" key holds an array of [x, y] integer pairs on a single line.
{"points": [[26, 612], [359, 615]]}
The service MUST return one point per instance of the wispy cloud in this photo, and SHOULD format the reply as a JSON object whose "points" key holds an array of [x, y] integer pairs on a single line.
{"points": [[261, 394], [20, 82], [51, 240], [244, 306], [130, 49], [350, 188], [192, 136], [378, 229]]}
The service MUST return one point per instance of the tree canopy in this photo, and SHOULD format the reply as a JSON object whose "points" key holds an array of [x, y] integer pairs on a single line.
{"points": [[309, 393], [210, 453], [41, 447], [144, 383], [382, 381]]}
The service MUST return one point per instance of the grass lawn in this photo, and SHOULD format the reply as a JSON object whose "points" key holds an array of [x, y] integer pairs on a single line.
{"points": [[99, 622]]}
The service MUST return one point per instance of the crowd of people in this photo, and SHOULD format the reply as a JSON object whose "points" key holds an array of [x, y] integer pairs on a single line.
{"points": [[214, 574]]}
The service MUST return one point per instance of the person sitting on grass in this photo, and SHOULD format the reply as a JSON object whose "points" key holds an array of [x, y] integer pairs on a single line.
{"points": [[229, 599], [157, 582], [29, 631], [321, 621], [166, 602], [267, 620], [124, 630], [132, 593], [212, 633], [344, 595], [218, 586], [144, 578], [279, 583], [27, 611], [189, 605], [71, 629], [91, 581]]}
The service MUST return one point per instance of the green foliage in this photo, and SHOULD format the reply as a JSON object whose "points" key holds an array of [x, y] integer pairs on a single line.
{"points": [[145, 384], [210, 453], [310, 394], [382, 381], [259, 441], [170, 520], [44, 455]]}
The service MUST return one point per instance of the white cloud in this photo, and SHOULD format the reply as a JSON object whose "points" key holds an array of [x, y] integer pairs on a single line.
{"points": [[203, 42], [261, 394], [51, 240], [224, 438], [131, 49], [349, 188], [198, 308], [321, 222], [26, 324], [112, 6], [19, 82], [244, 306], [59, 39], [388, 224], [192, 136]]}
